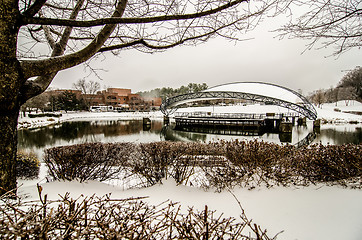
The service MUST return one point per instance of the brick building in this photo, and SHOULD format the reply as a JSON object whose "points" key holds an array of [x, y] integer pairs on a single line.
{"points": [[119, 99]]}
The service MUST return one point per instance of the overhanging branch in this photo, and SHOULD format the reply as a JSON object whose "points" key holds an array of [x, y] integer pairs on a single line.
{"points": [[34, 9], [43, 67], [118, 20]]}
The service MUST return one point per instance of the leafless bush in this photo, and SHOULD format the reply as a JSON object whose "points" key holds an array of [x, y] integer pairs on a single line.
{"points": [[106, 218], [222, 164], [320, 163], [153, 160], [27, 165], [89, 161], [157, 160], [257, 163]]}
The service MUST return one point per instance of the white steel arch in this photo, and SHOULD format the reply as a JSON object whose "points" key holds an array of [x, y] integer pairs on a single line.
{"points": [[255, 91]]}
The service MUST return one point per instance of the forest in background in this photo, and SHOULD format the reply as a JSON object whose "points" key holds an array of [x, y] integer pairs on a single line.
{"points": [[348, 88], [166, 92]]}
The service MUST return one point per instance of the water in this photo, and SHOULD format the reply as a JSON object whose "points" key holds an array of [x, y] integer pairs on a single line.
{"points": [[133, 131]]}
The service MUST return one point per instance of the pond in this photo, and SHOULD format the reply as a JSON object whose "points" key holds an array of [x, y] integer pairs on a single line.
{"points": [[76, 132]]}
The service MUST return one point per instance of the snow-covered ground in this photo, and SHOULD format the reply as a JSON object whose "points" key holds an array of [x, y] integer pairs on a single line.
{"points": [[306, 213], [30, 123], [316, 212]]}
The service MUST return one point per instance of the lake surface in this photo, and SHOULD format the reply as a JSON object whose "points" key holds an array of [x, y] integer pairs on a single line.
{"points": [[76, 132]]}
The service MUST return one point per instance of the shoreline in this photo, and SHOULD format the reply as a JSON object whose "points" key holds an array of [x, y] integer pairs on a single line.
{"points": [[327, 113]]}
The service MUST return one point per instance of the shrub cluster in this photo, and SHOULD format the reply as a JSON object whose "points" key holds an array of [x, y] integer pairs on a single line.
{"points": [[319, 163], [27, 165], [106, 218], [221, 165], [35, 115], [255, 163], [89, 161]]}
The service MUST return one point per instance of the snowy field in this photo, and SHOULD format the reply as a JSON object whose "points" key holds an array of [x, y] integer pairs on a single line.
{"points": [[317, 212]]}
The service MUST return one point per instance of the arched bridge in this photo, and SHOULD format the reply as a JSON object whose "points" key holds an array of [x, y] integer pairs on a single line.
{"points": [[253, 91]]}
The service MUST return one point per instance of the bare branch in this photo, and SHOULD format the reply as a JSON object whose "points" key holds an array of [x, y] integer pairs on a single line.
{"points": [[34, 9], [118, 20], [330, 23], [33, 68]]}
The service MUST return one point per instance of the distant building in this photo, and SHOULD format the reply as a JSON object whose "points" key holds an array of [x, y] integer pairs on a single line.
{"points": [[119, 98]]}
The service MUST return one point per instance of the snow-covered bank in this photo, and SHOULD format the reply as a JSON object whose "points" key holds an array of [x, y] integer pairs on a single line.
{"points": [[340, 112], [31, 123], [306, 213]]}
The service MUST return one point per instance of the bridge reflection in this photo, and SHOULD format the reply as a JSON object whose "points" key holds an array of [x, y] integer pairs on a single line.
{"points": [[192, 133]]}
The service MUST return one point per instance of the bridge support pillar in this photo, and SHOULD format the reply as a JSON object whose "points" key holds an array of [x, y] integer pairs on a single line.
{"points": [[316, 123], [286, 127], [146, 124], [146, 121], [272, 124], [166, 120], [317, 126], [302, 121]]}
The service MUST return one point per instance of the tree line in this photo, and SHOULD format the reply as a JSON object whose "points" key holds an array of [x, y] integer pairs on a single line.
{"points": [[48, 102], [166, 92], [348, 88]]}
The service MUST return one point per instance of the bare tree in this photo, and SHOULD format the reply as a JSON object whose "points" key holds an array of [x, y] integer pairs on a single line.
{"points": [[90, 87], [318, 97], [39, 38], [353, 79], [347, 93], [329, 22]]}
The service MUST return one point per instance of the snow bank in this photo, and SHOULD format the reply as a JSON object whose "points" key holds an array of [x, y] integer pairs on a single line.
{"points": [[31, 123], [307, 213], [340, 112]]}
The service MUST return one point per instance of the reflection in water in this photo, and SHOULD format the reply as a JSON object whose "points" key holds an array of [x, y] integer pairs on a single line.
{"points": [[90, 131], [133, 131], [341, 134]]}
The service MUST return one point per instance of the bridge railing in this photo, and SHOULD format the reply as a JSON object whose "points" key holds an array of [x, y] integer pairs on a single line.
{"points": [[235, 115]]}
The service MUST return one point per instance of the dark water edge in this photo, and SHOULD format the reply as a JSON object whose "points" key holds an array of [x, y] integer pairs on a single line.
{"points": [[77, 132]]}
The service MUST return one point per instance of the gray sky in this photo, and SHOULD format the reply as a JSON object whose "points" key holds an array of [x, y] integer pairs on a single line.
{"points": [[264, 58]]}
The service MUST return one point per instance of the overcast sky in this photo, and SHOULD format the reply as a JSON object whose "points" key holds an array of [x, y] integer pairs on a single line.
{"points": [[264, 58]]}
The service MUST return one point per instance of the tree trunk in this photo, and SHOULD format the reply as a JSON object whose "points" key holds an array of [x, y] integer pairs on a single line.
{"points": [[10, 83], [8, 149]]}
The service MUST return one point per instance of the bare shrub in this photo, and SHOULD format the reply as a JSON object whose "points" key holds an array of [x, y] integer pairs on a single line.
{"points": [[155, 160], [257, 161], [106, 218], [27, 165], [89, 161], [221, 164], [320, 163]]}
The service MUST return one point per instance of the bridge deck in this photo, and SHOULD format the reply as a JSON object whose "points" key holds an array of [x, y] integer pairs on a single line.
{"points": [[256, 122]]}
